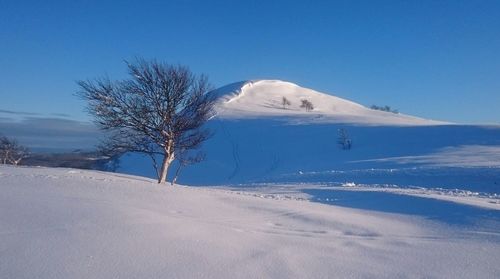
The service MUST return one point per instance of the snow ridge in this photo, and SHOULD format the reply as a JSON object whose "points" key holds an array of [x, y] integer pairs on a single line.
{"points": [[263, 99]]}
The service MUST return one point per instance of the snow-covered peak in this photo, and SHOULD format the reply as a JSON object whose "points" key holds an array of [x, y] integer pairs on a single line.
{"points": [[264, 98]]}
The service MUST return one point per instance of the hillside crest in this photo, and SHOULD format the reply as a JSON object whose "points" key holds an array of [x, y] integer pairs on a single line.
{"points": [[265, 98]]}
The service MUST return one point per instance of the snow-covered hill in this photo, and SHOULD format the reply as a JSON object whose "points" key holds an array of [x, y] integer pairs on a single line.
{"points": [[256, 140], [264, 98], [67, 223]]}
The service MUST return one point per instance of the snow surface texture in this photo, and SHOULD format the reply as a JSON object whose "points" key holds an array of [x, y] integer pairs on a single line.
{"points": [[62, 223], [263, 98]]}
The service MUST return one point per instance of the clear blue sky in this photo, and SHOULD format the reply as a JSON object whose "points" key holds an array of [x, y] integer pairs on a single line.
{"points": [[435, 59]]}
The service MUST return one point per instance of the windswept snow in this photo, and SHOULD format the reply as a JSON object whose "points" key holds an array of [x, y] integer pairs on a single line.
{"points": [[62, 223], [263, 98]]}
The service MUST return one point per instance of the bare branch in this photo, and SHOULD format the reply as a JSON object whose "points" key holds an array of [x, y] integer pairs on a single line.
{"points": [[159, 110]]}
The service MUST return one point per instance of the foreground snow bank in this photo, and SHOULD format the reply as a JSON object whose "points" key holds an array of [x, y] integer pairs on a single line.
{"points": [[61, 223]]}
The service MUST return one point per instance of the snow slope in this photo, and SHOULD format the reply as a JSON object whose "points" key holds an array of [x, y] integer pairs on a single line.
{"points": [[255, 140], [263, 98], [64, 223], [268, 150]]}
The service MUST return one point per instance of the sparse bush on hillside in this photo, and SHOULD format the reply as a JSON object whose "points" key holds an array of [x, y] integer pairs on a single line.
{"points": [[158, 111], [285, 102], [343, 140], [384, 108], [11, 152], [307, 105]]}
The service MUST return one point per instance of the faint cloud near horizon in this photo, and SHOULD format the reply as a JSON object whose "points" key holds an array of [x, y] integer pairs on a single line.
{"points": [[19, 113], [61, 115], [56, 132], [26, 114]]}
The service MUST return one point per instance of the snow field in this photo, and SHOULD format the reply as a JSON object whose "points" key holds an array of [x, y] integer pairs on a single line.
{"points": [[62, 223]]}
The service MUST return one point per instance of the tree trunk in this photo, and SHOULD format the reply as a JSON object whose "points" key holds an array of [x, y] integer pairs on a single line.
{"points": [[167, 160], [164, 168]]}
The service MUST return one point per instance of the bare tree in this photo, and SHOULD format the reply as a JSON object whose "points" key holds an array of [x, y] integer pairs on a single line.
{"points": [[11, 152], [160, 109], [343, 140], [285, 102], [307, 105]]}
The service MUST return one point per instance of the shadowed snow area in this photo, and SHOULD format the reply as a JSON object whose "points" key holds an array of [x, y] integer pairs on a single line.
{"points": [[63, 223], [257, 140], [455, 156], [468, 217], [267, 150]]}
